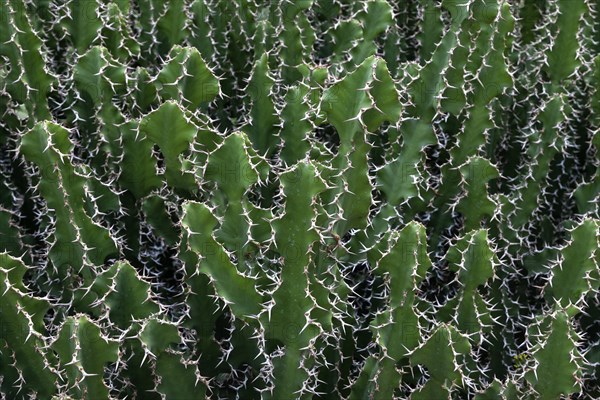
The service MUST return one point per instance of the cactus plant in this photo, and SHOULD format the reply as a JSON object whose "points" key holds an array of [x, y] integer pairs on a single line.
{"points": [[312, 199]]}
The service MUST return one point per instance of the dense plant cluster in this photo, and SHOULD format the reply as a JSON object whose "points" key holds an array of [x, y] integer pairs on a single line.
{"points": [[299, 199]]}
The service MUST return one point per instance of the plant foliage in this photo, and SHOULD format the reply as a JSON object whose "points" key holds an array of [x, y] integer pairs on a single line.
{"points": [[299, 199]]}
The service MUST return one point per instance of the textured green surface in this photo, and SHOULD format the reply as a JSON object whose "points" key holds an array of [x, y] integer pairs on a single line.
{"points": [[313, 199]]}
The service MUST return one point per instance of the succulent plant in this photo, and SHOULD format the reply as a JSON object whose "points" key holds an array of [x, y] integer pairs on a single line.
{"points": [[307, 199]]}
